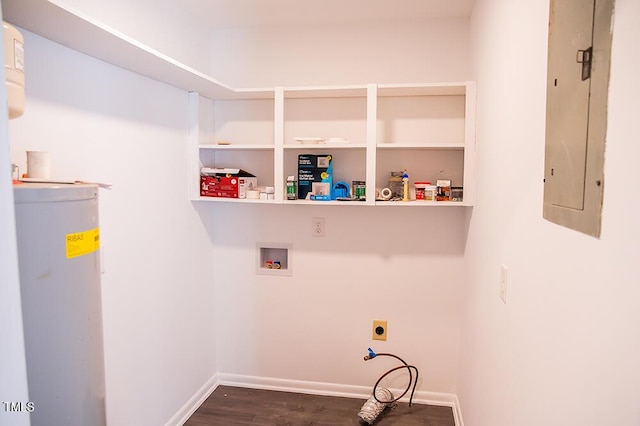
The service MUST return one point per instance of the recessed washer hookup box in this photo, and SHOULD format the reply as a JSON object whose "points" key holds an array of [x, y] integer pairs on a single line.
{"points": [[315, 175], [226, 183]]}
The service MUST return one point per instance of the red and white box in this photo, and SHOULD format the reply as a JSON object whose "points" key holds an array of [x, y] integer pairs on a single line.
{"points": [[226, 183]]}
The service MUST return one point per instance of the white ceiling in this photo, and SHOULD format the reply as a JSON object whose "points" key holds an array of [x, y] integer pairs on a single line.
{"points": [[219, 14]]}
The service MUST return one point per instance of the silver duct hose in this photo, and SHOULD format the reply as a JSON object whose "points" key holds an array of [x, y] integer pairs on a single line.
{"points": [[373, 407], [383, 398]]}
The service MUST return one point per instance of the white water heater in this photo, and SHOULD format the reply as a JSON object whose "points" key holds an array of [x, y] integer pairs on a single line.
{"points": [[14, 69], [58, 255]]}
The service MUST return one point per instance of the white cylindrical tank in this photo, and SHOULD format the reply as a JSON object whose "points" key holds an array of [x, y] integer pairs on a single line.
{"points": [[14, 69], [58, 254]]}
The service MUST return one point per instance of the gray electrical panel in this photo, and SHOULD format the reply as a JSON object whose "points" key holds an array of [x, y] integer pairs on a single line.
{"points": [[577, 88]]}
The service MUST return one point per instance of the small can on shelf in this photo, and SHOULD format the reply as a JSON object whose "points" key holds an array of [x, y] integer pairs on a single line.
{"points": [[292, 188], [430, 193], [425, 191], [359, 189], [420, 188], [456, 193]]}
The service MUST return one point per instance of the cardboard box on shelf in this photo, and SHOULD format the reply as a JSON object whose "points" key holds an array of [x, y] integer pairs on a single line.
{"points": [[226, 183], [443, 190], [315, 175]]}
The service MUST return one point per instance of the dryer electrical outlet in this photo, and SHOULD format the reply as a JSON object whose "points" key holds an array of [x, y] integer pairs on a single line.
{"points": [[379, 330]]}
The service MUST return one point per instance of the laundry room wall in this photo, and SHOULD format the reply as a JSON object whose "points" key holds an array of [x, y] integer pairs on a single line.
{"points": [[563, 350], [382, 52], [101, 123], [311, 330]]}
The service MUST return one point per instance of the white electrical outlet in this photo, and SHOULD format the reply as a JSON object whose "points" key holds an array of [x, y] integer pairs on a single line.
{"points": [[317, 226], [503, 283]]}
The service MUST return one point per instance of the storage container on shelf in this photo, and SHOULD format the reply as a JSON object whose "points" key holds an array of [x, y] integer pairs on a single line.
{"points": [[425, 191]]}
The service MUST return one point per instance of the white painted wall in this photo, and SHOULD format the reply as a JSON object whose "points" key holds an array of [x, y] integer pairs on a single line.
{"points": [[397, 52], [401, 265], [564, 350], [102, 123], [13, 385]]}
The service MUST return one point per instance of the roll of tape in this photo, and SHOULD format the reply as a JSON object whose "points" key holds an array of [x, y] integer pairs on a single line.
{"points": [[385, 193], [252, 194], [38, 165]]}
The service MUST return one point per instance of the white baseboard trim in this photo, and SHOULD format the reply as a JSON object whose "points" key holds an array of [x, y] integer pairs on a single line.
{"points": [[194, 402], [333, 389], [457, 412]]}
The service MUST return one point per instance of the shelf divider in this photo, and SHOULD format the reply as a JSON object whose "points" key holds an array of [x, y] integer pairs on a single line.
{"points": [[372, 118], [278, 140]]}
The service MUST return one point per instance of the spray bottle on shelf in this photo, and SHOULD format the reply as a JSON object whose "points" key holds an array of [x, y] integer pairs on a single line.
{"points": [[405, 183]]}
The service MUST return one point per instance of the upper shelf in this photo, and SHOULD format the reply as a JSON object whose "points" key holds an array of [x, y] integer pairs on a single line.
{"points": [[354, 91], [247, 147], [85, 34], [422, 89]]}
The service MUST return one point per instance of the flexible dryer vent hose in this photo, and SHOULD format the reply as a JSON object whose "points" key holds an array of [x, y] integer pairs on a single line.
{"points": [[382, 398]]}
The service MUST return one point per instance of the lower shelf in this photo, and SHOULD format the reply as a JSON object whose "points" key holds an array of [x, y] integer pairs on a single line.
{"points": [[412, 203]]}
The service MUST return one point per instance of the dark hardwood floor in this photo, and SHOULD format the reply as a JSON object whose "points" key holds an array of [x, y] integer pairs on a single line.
{"points": [[232, 406]]}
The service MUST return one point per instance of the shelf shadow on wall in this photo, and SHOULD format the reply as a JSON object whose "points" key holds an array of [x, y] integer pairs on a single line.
{"points": [[387, 231]]}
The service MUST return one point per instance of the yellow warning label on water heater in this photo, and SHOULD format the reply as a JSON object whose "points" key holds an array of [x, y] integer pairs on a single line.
{"points": [[82, 243]]}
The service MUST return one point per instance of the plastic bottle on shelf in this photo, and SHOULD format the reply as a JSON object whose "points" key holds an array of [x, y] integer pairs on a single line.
{"points": [[405, 186]]}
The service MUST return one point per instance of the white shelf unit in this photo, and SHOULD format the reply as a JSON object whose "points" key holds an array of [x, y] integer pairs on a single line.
{"points": [[326, 112], [247, 125], [426, 129], [429, 129]]}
